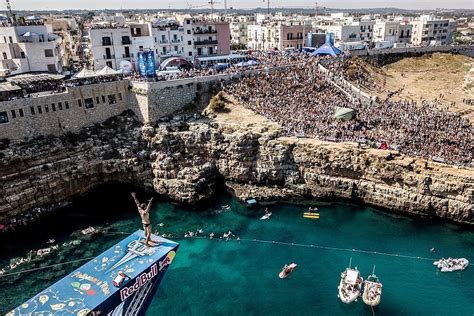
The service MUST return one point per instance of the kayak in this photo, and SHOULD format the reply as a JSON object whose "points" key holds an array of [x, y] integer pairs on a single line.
{"points": [[287, 270], [266, 216]]}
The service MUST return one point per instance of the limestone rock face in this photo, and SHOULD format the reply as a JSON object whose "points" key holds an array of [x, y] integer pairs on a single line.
{"points": [[185, 160]]}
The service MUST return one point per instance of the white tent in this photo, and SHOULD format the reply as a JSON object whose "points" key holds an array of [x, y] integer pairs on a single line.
{"points": [[107, 71], [84, 73]]}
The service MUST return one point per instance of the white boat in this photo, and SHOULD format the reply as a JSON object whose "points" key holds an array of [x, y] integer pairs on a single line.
{"points": [[350, 285], [89, 231], [287, 269], [451, 264], [372, 290], [266, 216]]}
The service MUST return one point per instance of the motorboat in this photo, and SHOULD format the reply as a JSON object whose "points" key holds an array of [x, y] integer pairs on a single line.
{"points": [[350, 285], [266, 216], [451, 264], [286, 270], [372, 290]]}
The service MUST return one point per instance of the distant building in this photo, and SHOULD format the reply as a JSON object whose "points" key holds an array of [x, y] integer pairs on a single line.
{"points": [[211, 37], [277, 35], [239, 29], [428, 29], [392, 31], [30, 46]]}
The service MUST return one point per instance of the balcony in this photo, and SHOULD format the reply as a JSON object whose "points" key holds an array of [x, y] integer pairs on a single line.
{"points": [[205, 42], [176, 41], [200, 31], [109, 56], [163, 41], [106, 43], [126, 42]]}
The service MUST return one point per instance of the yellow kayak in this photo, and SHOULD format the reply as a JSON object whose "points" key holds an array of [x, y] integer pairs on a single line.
{"points": [[311, 216]]}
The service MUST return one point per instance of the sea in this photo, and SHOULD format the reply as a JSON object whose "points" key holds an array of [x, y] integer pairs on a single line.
{"points": [[239, 276]]}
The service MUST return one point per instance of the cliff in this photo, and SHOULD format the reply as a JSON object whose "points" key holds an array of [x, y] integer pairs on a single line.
{"points": [[185, 160]]}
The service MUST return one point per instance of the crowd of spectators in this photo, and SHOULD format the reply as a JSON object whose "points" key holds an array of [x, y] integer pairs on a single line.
{"points": [[304, 100]]}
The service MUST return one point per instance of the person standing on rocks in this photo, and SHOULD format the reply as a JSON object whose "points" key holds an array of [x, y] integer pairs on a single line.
{"points": [[144, 211]]}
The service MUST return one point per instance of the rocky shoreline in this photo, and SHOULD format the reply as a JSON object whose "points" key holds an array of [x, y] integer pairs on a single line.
{"points": [[185, 160]]}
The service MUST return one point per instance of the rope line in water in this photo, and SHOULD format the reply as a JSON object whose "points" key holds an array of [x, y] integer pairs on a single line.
{"points": [[254, 240], [45, 267]]}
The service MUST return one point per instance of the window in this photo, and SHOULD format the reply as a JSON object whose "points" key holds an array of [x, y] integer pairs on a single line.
{"points": [[103, 99], [60, 106], [40, 110], [125, 40], [51, 68], [11, 39], [176, 48], [163, 38], [112, 99], [109, 64], [189, 31], [120, 96], [53, 107], [189, 42], [48, 53], [46, 108], [20, 111], [127, 51], [22, 55], [66, 104], [13, 114], [88, 103], [106, 41], [190, 53], [79, 102], [140, 48], [188, 21], [97, 100], [32, 110], [5, 55], [3, 117], [164, 50]]}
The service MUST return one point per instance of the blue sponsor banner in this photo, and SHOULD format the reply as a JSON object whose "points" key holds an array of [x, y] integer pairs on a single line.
{"points": [[121, 281], [150, 64], [141, 65]]}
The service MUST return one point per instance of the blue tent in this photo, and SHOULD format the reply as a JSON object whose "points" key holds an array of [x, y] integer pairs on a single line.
{"points": [[327, 49]]}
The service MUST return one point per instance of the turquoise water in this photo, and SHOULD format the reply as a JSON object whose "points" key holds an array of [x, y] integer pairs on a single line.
{"points": [[215, 277]]}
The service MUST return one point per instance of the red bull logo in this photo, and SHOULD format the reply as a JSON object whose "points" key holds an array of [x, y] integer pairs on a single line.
{"points": [[139, 282]]}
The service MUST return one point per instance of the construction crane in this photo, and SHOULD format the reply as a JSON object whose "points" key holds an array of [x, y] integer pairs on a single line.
{"points": [[191, 7], [268, 6], [10, 16], [212, 3]]}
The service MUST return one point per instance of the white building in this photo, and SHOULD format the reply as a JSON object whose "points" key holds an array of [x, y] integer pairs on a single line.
{"points": [[392, 31], [239, 29], [30, 47], [428, 29], [110, 45]]}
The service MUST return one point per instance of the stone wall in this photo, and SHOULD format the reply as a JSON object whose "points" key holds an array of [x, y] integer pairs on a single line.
{"points": [[59, 113]]}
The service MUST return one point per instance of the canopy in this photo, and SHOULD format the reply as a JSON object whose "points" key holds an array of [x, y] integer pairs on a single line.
{"points": [[29, 34], [352, 276], [252, 62], [107, 71], [344, 114], [84, 73], [327, 49], [7, 86], [34, 18], [178, 62], [34, 78]]}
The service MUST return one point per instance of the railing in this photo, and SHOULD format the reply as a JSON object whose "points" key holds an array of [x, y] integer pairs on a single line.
{"points": [[206, 42], [109, 56], [163, 41], [204, 31], [126, 42], [176, 41]]}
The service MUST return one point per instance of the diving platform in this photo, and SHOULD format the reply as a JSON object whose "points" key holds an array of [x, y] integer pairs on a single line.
{"points": [[120, 281]]}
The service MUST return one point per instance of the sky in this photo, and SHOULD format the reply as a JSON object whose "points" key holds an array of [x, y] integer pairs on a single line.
{"points": [[181, 4]]}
